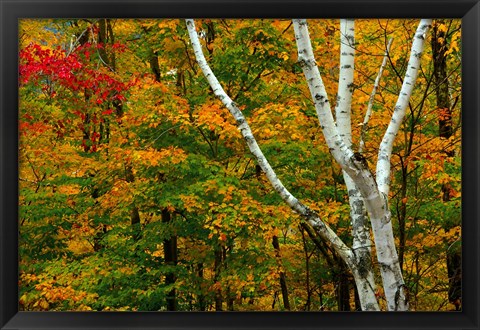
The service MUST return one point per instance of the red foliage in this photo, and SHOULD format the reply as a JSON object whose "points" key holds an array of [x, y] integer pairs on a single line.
{"points": [[75, 78], [45, 67]]}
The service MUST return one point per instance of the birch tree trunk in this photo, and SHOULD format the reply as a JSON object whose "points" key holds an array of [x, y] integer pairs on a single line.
{"points": [[363, 273], [375, 196]]}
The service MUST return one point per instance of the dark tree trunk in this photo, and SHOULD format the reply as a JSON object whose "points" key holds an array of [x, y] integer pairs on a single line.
{"points": [[283, 279], [152, 58], [170, 252], [201, 297], [86, 132], [97, 245], [343, 290], [105, 36], [154, 66], [358, 306], [217, 270], [229, 296], [439, 48], [111, 40], [134, 213], [210, 36], [341, 276], [454, 268], [308, 303], [134, 216]]}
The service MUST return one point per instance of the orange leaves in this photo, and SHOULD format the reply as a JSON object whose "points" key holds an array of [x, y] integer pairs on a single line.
{"points": [[154, 157], [69, 189], [228, 193], [330, 211], [153, 103], [223, 237], [191, 202], [216, 118], [172, 45], [212, 115], [444, 114], [49, 293], [433, 236], [441, 27], [431, 169], [33, 129], [281, 123], [269, 231], [454, 47], [165, 24]]}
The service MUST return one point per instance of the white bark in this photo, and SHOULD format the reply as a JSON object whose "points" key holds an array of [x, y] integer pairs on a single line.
{"points": [[335, 142], [372, 98], [362, 237], [314, 219], [385, 151], [345, 81], [350, 163], [356, 167], [363, 273]]}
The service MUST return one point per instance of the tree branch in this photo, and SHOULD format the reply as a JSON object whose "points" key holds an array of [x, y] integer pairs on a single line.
{"points": [[372, 98], [386, 146]]}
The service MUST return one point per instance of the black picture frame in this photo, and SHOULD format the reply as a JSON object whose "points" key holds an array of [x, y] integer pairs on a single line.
{"points": [[12, 10]]}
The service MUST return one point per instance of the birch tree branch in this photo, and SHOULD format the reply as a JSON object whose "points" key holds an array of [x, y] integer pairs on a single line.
{"points": [[314, 219], [345, 82], [372, 98], [340, 151], [386, 146], [351, 163]]}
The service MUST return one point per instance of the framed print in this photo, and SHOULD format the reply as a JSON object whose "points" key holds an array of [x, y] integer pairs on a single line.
{"points": [[239, 164]]}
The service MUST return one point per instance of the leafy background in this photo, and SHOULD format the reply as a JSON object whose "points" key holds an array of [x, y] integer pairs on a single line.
{"points": [[138, 193]]}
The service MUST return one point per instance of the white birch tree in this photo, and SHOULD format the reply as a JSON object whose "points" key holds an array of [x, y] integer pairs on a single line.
{"points": [[365, 192], [361, 236]]}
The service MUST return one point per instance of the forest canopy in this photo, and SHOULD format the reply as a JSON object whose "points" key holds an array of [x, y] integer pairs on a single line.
{"points": [[139, 191]]}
